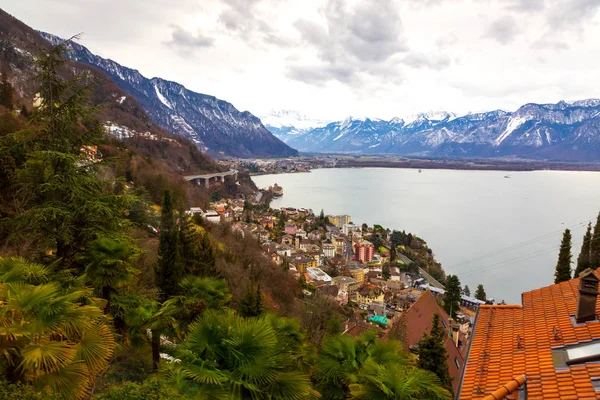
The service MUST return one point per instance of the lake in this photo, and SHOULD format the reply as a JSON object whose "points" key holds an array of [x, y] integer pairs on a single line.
{"points": [[485, 228]]}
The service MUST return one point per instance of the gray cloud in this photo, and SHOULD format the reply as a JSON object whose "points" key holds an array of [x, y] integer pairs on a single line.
{"points": [[525, 5], [241, 20], [503, 30], [186, 42], [352, 42], [546, 43], [572, 14], [432, 61]]}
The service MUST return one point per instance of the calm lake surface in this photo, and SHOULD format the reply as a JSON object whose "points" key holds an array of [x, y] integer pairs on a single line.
{"points": [[503, 233]]}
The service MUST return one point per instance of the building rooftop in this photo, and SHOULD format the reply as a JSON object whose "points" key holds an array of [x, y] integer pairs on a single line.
{"points": [[539, 340], [346, 280], [418, 321]]}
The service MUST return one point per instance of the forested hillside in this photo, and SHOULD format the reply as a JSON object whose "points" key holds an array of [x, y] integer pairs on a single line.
{"points": [[94, 304]]}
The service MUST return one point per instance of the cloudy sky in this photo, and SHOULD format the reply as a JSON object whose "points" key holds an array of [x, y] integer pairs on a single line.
{"points": [[332, 58]]}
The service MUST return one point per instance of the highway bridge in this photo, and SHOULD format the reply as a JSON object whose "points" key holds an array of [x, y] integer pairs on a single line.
{"points": [[216, 177]]}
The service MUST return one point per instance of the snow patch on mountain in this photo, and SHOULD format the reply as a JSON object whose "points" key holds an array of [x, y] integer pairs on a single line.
{"points": [[162, 98], [513, 124]]}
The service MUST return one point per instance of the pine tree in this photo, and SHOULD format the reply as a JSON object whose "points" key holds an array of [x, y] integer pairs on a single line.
{"points": [[480, 293], [385, 272], [207, 257], [432, 353], [6, 92], [169, 270], [583, 261], [452, 296], [68, 206], [563, 265], [595, 246], [393, 255], [467, 291], [251, 304], [191, 253]]}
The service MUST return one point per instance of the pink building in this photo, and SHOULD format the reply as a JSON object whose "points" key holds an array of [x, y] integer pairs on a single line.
{"points": [[290, 229], [364, 251]]}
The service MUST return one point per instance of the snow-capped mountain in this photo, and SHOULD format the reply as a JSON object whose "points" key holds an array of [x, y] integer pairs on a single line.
{"points": [[564, 131], [287, 123], [216, 126]]}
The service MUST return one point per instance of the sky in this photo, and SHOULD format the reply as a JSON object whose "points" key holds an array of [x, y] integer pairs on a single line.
{"points": [[329, 59]]}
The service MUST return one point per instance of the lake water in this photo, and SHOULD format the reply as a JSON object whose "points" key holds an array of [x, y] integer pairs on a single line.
{"points": [[502, 233]]}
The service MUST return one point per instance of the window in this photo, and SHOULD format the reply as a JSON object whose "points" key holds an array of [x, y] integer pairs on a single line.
{"points": [[596, 384], [457, 362], [444, 323]]}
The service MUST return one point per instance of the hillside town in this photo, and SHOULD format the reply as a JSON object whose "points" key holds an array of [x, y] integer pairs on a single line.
{"points": [[373, 273]]}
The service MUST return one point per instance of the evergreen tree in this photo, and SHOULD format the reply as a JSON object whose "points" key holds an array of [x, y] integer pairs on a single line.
{"points": [[191, 253], [595, 246], [385, 272], [480, 293], [393, 255], [169, 270], [207, 257], [583, 261], [24, 111], [67, 206], [452, 295], [251, 304], [563, 265], [6, 92], [467, 291], [432, 353]]}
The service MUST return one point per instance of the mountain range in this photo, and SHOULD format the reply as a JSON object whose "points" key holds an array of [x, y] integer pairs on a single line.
{"points": [[566, 131], [216, 126]]}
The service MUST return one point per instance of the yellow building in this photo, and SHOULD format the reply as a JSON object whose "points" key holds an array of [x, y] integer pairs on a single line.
{"points": [[358, 273], [368, 294]]}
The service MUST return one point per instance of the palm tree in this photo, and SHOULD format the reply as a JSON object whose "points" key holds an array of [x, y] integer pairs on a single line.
{"points": [[200, 294], [173, 317], [110, 266], [47, 335], [227, 356], [397, 382], [344, 363]]}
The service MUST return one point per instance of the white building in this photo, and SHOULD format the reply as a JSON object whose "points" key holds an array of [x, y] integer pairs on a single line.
{"points": [[317, 274], [212, 216], [329, 250], [348, 229]]}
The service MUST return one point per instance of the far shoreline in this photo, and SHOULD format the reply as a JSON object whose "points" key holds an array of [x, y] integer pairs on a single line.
{"points": [[345, 161]]}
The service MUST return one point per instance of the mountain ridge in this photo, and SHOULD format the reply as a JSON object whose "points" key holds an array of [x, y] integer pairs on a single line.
{"points": [[564, 131], [215, 125]]}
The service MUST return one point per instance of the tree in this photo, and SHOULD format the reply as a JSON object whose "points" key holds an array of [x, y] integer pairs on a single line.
{"points": [[583, 261], [169, 270], [397, 382], [52, 336], [480, 293], [385, 272], [227, 356], [432, 353], [110, 266], [466, 291], [595, 246], [207, 257], [349, 366], [251, 304], [452, 296], [67, 206], [393, 255], [563, 265], [6, 92]]}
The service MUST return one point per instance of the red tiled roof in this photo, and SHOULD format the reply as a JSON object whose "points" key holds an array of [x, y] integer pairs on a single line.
{"points": [[512, 340], [418, 322]]}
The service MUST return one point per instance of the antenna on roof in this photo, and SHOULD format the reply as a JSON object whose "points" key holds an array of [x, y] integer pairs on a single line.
{"points": [[519, 345]]}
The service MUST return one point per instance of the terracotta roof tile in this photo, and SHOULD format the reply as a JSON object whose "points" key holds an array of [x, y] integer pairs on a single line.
{"points": [[514, 340]]}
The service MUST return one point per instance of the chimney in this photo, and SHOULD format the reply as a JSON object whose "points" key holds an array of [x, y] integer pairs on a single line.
{"points": [[588, 294]]}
